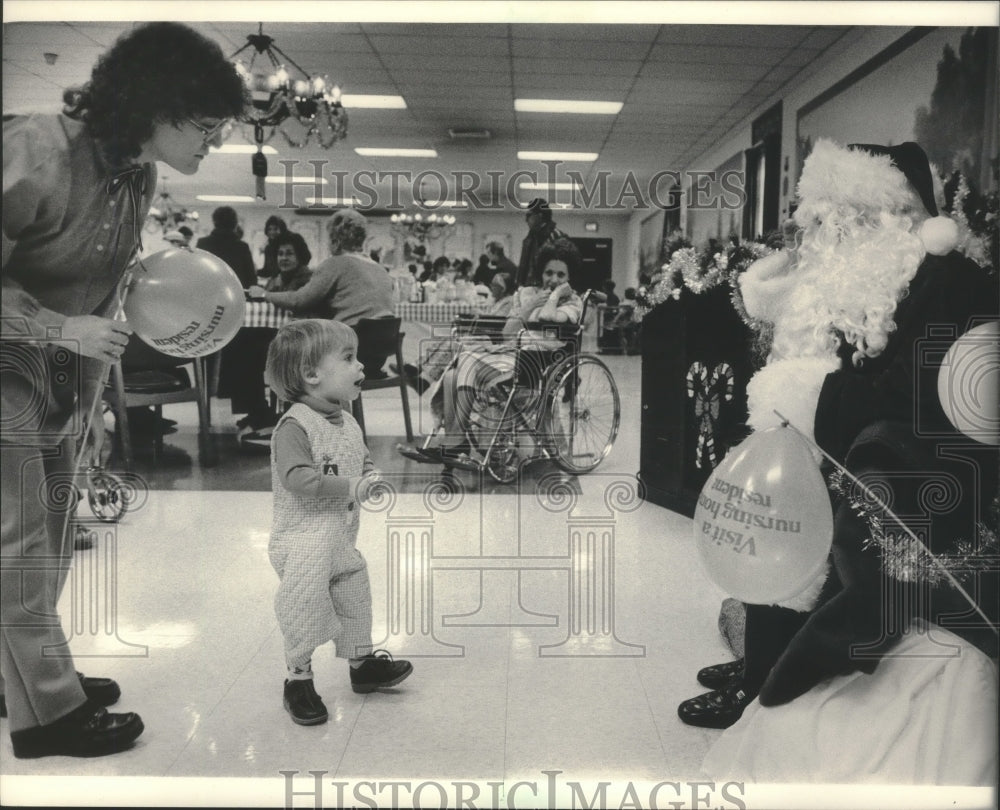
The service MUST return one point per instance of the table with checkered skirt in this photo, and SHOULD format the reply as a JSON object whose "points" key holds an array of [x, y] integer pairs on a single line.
{"points": [[444, 312], [264, 315]]}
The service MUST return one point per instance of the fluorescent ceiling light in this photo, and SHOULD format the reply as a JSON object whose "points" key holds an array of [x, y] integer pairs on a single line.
{"points": [[302, 180], [373, 102], [372, 151], [339, 201], [583, 157], [242, 149], [223, 198], [549, 186], [441, 204], [555, 105]]}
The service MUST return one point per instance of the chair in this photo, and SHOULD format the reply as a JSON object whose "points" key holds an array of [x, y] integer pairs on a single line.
{"points": [[379, 339], [145, 377]]}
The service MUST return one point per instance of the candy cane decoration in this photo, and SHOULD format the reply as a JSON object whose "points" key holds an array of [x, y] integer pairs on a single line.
{"points": [[704, 389]]}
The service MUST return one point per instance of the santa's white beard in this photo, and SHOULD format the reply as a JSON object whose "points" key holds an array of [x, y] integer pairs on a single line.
{"points": [[852, 275]]}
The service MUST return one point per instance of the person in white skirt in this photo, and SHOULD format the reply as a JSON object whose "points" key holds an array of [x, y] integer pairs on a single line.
{"points": [[321, 472]]}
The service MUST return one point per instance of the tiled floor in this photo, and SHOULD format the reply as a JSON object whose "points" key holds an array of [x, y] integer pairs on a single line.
{"points": [[534, 662], [197, 651]]}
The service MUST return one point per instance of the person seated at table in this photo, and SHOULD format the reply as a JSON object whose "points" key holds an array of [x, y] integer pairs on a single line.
{"points": [[346, 287], [484, 272], [273, 228], [549, 299], [439, 268], [292, 258], [241, 375]]}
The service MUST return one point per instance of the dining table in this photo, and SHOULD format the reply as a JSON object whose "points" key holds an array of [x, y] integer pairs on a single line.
{"points": [[261, 314], [438, 312]]}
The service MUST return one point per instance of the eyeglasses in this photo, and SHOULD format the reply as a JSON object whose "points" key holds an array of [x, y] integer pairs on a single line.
{"points": [[221, 130]]}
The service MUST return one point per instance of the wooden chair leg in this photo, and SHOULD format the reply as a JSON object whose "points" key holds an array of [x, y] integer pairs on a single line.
{"points": [[158, 437], [406, 400], [205, 448]]}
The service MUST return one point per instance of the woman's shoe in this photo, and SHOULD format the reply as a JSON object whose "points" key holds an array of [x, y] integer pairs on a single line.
{"points": [[88, 731], [425, 455]]}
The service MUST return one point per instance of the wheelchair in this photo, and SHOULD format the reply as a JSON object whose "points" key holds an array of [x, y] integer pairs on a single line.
{"points": [[559, 404]]}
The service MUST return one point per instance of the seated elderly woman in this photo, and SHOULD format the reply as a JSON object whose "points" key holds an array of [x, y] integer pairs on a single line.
{"points": [[242, 371], [550, 299], [346, 287], [438, 353]]}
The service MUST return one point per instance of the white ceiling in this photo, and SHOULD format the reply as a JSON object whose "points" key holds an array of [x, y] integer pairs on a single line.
{"points": [[683, 88]]}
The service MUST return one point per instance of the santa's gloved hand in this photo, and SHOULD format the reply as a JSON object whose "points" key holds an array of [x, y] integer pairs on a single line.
{"points": [[790, 387], [766, 284]]}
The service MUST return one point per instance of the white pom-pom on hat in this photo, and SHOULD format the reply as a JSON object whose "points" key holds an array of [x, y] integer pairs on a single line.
{"points": [[939, 235]]}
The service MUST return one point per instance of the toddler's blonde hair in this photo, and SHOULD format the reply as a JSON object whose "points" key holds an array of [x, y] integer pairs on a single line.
{"points": [[298, 349]]}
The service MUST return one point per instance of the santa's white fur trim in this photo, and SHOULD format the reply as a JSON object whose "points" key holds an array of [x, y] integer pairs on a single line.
{"points": [[805, 600], [939, 235], [790, 387], [836, 179], [765, 286]]}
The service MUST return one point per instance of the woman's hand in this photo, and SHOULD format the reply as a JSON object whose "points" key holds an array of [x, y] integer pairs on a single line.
{"points": [[561, 293], [256, 291], [93, 336]]}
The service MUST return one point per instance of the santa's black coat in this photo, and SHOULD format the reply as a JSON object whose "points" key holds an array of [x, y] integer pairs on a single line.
{"points": [[884, 421]]}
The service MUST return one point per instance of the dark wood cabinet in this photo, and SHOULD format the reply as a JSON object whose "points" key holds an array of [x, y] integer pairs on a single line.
{"points": [[696, 360]]}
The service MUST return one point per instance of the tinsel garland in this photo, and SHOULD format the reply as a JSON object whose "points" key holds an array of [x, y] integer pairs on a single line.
{"points": [[697, 271], [974, 245], [903, 558]]}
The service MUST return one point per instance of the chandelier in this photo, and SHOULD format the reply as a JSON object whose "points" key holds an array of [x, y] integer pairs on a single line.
{"points": [[165, 214], [421, 228], [299, 105]]}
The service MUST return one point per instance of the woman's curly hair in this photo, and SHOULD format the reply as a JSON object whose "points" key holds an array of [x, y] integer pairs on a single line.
{"points": [[561, 250], [347, 231], [161, 71], [302, 254]]}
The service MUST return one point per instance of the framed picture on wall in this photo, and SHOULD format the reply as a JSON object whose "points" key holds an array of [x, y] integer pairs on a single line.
{"points": [[931, 86], [651, 233]]}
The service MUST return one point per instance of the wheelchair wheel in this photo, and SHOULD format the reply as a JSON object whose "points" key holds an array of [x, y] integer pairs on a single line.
{"points": [[583, 410], [492, 431], [106, 495]]}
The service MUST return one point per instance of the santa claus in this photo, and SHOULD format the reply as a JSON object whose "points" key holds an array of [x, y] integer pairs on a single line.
{"points": [[864, 307]]}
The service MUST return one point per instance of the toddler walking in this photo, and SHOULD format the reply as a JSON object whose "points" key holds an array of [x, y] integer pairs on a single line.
{"points": [[321, 472]]}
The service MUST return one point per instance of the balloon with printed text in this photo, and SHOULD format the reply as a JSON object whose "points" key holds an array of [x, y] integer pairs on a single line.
{"points": [[763, 524], [185, 303], [969, 383]]}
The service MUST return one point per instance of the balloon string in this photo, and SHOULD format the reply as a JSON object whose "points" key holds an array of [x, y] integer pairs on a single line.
{"points": [[123, 287], [958, 586]]}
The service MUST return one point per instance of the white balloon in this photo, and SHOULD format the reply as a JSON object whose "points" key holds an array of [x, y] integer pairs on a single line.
{"points": [[969, 383]]}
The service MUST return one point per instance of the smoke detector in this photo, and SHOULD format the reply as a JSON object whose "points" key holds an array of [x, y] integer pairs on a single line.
{"points": [[469, 134]]}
